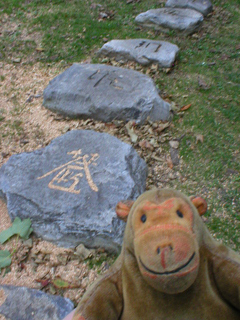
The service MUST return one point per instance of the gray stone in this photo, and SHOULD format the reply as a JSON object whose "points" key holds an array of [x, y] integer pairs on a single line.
{"points": [[143, 51], [105, 93], [186, 21], [203, 6], [29, 304], [70, 188]]}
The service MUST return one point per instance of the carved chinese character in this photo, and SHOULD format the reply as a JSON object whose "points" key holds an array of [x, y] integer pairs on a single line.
{"points": [[69, 174]]}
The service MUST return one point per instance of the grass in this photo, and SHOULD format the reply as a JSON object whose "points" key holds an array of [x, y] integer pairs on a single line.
{"points": [[72, 30], [100, 259]]}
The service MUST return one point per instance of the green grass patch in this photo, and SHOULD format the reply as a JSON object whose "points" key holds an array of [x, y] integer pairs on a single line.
{"points": [[99, 260]]}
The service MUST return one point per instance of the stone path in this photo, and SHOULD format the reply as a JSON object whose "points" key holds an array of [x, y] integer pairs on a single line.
{"points": [[70, 189], [143, 51], [185, 16], [29, 304], [105, 93]]}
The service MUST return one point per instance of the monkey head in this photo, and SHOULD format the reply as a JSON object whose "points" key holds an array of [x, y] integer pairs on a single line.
{"points": [[163, 232]]}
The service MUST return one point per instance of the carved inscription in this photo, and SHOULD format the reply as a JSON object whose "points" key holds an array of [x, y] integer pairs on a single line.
{"points": [[146, 44], [141, 44], [69, 174], [172, 12], [99, 77]]}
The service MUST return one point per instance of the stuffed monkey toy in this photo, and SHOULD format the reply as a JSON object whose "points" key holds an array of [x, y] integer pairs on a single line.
{"points": [[169, 268]]}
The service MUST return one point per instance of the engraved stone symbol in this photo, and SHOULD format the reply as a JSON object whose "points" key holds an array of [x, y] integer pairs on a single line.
{"points": [[70, 173], [97, 75], [142, 43], [173, 12]]}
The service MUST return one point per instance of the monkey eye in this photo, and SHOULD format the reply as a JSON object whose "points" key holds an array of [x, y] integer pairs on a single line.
{"points": [[180, 214], [143, 218]]}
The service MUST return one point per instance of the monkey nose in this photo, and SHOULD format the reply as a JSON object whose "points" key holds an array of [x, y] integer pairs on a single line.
{"points": [[159, 249], [164, 253]]}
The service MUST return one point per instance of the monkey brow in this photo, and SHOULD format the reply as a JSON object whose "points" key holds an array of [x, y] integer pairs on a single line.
{"points": [[168, 204]]}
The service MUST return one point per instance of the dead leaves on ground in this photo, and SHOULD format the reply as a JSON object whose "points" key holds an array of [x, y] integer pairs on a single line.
{"points": [[186, 107], [131, 132], [202, 84], [199, 138]]}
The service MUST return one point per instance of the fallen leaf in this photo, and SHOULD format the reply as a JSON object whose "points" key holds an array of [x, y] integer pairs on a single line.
{"points": [[44, 283], [162, 127], [186, 107], [174, 107], [199, 137], [39, 49], [167, 70], [148, 71], [22, 228], [131, 132], [62, 284], [211, 63], [174, 144], [195, 36], [169, 163], [5, 259], [154, 143], [202, 84], [52, 290], [144, 144], [154, 67], [17, 60], [59, 283], [110, 125]]}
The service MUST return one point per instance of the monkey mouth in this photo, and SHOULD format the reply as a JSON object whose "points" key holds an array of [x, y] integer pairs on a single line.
{"points": [[168, 272]]}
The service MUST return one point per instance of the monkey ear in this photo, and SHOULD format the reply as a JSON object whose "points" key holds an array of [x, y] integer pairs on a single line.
{"points": [[123, 208], [200, 204]]}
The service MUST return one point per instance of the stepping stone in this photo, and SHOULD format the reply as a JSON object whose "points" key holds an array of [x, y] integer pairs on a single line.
{"points": [[105, 93], [141, 50], [70, 188], [29, 304], [186, 21], [203, 6]]}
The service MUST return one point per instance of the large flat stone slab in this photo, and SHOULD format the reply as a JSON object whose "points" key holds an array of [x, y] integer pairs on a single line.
{"points": [[105, 93], [203, 6], [185, 21], [143, 51], [29, 304], [70, 188]]}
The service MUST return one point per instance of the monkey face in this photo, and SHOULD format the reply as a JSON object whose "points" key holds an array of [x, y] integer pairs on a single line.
{"points": [[165, 245]]}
